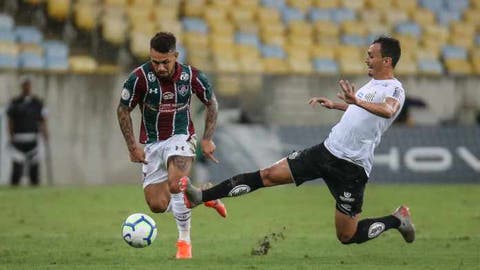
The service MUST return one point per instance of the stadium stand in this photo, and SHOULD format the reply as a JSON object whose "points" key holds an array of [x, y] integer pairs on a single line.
{"points": [[232, 35]]}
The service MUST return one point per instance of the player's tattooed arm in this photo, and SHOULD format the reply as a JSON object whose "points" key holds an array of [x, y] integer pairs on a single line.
{"points": [[136, 153], [208, 146], [125, 122], [211, 118]]}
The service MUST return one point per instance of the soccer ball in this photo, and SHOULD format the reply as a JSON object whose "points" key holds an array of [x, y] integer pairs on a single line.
{"points": [[139, 230]]}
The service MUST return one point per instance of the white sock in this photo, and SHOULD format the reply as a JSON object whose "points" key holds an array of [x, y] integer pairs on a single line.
{"points": [[182, 216]]}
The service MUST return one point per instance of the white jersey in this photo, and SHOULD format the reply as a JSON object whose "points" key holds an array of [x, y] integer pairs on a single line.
{"points": [[357, 134]]}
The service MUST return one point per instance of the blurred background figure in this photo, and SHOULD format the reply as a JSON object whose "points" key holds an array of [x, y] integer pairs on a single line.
{"points": [[405, 116], [26, 121]]}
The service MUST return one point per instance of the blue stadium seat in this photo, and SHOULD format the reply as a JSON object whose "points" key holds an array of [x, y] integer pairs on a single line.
{"points": [[277, 4], [6, 23], [56, 64], [433, 5], [27, 60], [56, 55], [197, 25], [444, 17], [291, 14], [456, 5], [339, 15], [182, 54], [319, 14], [430, 66], [272, 51], [247, 39], [8, 61], [454, 52], [53, 48], [28, 34], [354, 40], [477, 40], [327, 66], [7, 35], [409, 28]]}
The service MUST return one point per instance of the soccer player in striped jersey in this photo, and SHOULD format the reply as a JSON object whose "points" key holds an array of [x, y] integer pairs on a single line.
{"points": [[163, 88], [344, 160]]}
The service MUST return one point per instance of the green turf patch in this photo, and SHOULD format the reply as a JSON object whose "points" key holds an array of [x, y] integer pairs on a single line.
{"points": [[80, 228]]}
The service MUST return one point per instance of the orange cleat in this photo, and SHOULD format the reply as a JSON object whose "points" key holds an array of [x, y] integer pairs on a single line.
{"points": [[184, 250], [217, 205]]}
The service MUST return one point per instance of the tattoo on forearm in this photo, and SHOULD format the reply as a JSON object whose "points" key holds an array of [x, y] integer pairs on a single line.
{"points": [[211, 119], [182, 163], [125, 122]]}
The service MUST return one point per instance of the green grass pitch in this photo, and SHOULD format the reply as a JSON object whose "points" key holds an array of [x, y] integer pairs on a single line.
{"points": [[80, 228]]}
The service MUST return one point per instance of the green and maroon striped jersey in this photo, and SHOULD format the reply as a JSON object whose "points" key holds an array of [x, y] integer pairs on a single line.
{"points": [[165, 104]]}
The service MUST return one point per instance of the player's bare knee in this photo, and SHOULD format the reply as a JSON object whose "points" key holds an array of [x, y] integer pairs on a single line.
{"points": [[345, 238], [267, 176], [158, 206]]}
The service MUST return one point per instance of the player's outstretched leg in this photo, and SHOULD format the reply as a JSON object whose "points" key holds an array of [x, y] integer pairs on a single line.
{"points": [[406, 228], [193, 197]]}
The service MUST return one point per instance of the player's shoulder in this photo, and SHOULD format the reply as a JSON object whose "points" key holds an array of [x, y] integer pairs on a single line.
{"points": [[143, 69]]}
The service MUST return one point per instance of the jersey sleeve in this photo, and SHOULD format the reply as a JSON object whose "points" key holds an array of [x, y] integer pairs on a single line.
{"points": [[396, 92], [133, 90], [202, 87]]}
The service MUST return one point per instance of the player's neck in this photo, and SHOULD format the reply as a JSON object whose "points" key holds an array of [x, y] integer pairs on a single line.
{"points": [[387, 75]]}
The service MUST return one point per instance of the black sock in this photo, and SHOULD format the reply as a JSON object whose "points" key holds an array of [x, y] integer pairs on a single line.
{"points": [[370, 228], [235, 186]]}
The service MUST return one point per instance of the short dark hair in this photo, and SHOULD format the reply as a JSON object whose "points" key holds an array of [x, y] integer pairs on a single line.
{"points": [[390, 47], [163, 42]]}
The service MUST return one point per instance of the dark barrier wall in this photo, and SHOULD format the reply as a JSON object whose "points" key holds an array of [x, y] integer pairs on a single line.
{"points": [[413, 155]]}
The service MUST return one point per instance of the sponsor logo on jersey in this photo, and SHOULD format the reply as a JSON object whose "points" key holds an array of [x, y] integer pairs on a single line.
{"points": [[183, 89], [153, 90], [375, 229], [396, 92], [184, 76], [125, 94], [239, 190], [151, 76], [370, 96], [168, 95]]}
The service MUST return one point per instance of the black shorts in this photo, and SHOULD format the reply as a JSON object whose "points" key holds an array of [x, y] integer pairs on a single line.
{"points": [[345, 180]]}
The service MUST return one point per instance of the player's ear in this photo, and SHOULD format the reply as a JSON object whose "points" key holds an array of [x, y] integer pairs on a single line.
{"points": [[176, 54]]}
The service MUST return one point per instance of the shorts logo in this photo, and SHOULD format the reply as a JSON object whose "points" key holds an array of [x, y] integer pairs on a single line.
{"points": [[346, 207], [294, 155], [375, 229], [347, 197], [151, 76], [179, 147], [153, 90], [239, 190], [167, 95], [184, 76], [125, 94], [183, 89]]}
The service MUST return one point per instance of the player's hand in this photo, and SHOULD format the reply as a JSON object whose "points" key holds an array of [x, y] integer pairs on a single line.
{"points": [[348, 92], [208, 147], [137, 155], [323, 101]]}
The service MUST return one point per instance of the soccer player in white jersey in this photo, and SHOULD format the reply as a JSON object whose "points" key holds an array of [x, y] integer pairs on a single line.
{"points": [[163, 89], [344, 160]]}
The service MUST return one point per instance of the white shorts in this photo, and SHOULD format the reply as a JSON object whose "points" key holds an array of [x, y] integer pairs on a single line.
{"points": [[158, 153]]}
